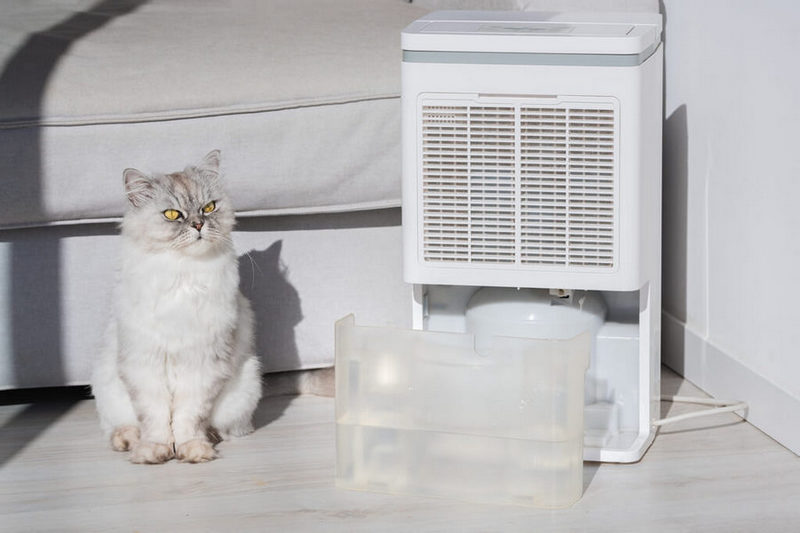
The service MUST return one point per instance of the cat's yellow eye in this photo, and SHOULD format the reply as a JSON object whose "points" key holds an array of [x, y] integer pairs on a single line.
{"points": [[209, 207], [172, 214]]}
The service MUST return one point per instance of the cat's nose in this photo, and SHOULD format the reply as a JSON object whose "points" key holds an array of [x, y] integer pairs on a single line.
{"points": [[198, 225]]}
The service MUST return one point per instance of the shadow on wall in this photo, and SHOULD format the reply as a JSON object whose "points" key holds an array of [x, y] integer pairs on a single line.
{"points": [[36, 323], [674, 235], [674, 223], [276, 306]]}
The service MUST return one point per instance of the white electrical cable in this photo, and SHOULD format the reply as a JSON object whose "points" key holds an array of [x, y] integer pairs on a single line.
{"points": [[723, 406]]}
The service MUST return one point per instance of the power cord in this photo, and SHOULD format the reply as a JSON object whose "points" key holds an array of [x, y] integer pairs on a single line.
{"points": [[721, 406]]}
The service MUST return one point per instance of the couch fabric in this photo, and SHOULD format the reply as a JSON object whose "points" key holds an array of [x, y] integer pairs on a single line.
{"points": [[300, 96]]}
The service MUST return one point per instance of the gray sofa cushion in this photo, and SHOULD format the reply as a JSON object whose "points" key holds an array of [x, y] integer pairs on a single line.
{"points": [[300, 95]]}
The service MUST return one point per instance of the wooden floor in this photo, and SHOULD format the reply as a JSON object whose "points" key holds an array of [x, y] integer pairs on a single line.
{"points": [[57, 474]]}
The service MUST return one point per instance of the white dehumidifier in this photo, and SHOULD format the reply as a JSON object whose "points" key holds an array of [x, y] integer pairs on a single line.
{"points": [[532, 159], [532, 238]]}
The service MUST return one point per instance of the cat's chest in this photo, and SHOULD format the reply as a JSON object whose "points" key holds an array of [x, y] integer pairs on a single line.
{"points": [[168, 292], [185, 290]]}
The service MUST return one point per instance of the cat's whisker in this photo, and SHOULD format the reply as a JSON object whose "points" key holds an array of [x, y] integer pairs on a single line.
{"points": [[253, 271], [253, 262]]}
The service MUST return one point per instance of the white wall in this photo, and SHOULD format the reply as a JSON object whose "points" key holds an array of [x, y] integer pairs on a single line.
{"points": [[731, 213]]}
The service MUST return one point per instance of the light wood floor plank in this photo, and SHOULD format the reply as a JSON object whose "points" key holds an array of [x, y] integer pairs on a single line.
{"points": [[57, 474]]}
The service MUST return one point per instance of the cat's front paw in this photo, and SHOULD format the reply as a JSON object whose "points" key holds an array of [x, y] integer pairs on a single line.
{"points": [[196, 451], [124, 438], [151, 453]]}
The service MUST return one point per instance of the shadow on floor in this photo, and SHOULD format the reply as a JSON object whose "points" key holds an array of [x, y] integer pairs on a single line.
{"points": [[590, 469], [270, 409], [670, 385], [28, 424]]}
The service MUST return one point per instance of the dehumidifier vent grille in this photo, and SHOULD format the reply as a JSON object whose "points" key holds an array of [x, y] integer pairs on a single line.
{"points": [[469, 165], [519, 184]]}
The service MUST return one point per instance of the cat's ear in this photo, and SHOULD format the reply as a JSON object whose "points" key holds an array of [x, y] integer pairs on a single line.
{"points": [[209, 167], [138, 187], [211, 161]]}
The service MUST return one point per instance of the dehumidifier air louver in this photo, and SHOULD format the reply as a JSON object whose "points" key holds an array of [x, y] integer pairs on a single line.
{"points": [[532, 160]]}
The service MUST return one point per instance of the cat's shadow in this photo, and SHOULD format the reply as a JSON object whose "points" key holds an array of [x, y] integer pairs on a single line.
{"points": [[276, 306]]}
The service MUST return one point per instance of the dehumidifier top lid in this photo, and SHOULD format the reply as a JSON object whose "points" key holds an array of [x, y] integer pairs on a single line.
{"points": [[534, 32]]}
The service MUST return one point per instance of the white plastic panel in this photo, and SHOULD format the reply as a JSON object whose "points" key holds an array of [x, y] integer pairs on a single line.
{"points": [[528, 28], [593, 33]]}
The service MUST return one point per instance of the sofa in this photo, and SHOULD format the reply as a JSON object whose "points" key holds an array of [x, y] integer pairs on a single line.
{"points": [[301, 97]]}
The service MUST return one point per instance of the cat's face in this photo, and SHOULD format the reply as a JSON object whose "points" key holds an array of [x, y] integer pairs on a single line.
{"points": [[186, 211]]}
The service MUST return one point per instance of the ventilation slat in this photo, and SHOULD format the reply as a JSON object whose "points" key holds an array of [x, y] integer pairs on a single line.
{"points": [[519, 184]]}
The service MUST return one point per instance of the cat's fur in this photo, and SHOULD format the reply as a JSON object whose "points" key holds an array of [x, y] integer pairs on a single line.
{"points": [[178, 366]]}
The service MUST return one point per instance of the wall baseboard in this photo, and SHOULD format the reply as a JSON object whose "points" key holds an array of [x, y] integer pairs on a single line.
{"points": [[771, 409]]}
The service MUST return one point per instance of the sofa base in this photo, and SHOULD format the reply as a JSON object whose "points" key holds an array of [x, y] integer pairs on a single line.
{"points": [[300, 272]]}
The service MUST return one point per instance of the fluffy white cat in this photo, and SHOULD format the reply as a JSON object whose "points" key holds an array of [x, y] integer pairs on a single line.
{"points": [[178, 367]]}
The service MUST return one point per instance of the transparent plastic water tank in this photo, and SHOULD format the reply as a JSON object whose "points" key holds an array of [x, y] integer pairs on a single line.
{"points": [[423, 412]]}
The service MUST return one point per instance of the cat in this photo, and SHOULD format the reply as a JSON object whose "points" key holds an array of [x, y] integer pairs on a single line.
{"points": [[178, 369]]}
